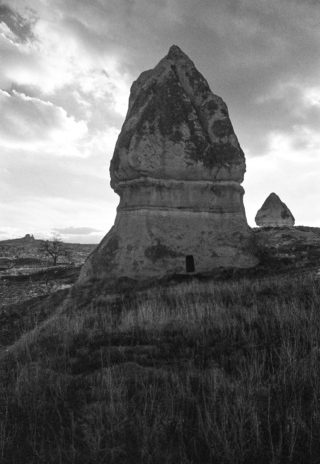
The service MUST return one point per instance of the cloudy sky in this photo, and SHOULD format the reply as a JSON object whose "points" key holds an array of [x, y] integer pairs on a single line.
{"points": [[66, 67]]}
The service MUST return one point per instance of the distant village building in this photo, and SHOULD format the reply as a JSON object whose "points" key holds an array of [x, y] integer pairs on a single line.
{"points": [[274, 213]]}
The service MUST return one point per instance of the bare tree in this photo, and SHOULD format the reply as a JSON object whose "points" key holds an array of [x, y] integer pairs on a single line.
{"points": [[54, 249]]}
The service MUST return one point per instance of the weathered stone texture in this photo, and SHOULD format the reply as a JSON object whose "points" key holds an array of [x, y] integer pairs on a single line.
{"points": [[274, 213], [177, 167], [176, 128]]}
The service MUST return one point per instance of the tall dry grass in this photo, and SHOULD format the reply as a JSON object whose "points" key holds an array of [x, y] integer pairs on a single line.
{"points": [[193, 373]]}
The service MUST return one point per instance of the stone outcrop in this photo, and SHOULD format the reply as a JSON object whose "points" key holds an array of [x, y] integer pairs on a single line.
{"points": [[274, 213], [177, 167], [28, 238]]}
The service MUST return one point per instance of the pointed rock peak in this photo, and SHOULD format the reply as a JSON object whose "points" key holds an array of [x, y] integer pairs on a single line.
{"points": [[274, 213], [175, 53], [176, 128], [272, 199]]}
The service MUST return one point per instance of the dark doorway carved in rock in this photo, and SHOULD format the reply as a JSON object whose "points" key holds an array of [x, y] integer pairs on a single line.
{"points": [[190, 263]]}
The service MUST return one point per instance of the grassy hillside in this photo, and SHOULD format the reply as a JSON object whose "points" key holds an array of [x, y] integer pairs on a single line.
{"points": [[194, 372], [20, 250]]}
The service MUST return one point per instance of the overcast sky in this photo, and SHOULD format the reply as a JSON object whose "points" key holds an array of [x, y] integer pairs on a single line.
{"points": [[66, 67]]}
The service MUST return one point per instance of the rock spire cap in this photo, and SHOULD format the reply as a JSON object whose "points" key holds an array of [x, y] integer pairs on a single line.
{"points": [[175, 53], [176, 128]]}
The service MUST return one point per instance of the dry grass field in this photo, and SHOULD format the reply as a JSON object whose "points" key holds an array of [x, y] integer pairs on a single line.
{"points": [[217, 370]]}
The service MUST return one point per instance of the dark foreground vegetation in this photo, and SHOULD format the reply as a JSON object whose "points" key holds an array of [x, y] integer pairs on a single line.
{"points": [[196, 372]]}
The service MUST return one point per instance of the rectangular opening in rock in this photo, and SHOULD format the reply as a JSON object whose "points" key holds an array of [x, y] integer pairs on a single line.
{"points": [[190, 263]]}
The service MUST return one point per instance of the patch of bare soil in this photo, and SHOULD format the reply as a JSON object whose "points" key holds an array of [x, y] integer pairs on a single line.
{"points": [[19, 318], [27, 299], [18, 287]]}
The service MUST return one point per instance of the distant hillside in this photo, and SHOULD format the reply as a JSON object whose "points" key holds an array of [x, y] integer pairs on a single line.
{"points": [[28, 247]]}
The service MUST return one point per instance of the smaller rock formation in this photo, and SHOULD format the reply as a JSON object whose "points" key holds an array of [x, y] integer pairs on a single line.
{"points": [[274, 213], [28, 238]]}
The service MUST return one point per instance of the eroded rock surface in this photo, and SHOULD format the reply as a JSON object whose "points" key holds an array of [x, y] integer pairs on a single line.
{"points": [[177, 167], [176, 128], [274, 213]]}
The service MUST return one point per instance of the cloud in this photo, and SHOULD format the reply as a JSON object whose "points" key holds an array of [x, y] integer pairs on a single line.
{"points": [[42, 63], [92, 239], [33, 176], [77, 230], [80, 234], [63, 52], [18, 27], [39, 216], [33, 124], [248, 50], [10, 232]]}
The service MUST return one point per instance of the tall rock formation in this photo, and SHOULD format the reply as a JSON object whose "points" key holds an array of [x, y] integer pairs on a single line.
{"points": [[177, 167], [274, 213]]}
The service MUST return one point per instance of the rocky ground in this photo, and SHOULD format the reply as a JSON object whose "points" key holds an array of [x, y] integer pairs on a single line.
{"points": [[15, 288], [25, 273], [24, 287], [287, 249], [280, 249]]}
